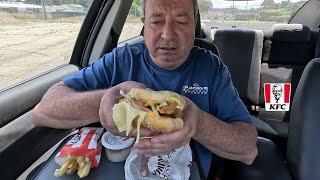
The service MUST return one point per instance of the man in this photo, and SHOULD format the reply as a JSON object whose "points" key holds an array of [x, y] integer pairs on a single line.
{"points": [[215, 116]]}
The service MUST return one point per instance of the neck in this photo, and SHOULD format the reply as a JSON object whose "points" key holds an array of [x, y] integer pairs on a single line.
{"points": [[167, 66]]}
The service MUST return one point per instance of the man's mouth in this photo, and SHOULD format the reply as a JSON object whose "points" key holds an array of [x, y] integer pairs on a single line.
{"points": [[168, 49]]}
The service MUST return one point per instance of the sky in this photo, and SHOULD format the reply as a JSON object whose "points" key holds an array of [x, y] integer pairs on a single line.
{"points": [[242, 4]]}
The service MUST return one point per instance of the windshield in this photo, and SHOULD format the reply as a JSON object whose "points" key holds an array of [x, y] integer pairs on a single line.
{"points": [[252, 14]]}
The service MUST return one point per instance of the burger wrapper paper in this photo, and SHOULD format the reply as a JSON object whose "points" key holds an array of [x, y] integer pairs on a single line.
{"points": [[175, 165], [85, 143]]}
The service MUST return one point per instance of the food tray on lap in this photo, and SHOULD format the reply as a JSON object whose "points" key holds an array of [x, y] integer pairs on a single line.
{"points": [[106, 169]]}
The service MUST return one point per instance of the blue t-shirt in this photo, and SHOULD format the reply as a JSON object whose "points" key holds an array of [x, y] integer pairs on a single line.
{"points": [[203, 78]]}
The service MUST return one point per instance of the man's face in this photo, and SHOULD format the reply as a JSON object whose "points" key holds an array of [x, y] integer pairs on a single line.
{"points": [[169, 31]]}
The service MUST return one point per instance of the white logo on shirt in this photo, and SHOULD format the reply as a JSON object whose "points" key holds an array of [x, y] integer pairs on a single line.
{"points": [[195, 89]]}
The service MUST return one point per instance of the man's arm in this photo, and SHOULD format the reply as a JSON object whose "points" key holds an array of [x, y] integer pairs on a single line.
{"points": [[62, 107], [235, 140]]}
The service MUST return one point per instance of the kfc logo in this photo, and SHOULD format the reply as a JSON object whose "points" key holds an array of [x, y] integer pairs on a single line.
{"points": [[277, 96]]}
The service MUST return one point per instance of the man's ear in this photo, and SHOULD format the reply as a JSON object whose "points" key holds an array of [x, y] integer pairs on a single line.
{"points": [[142, 19]]}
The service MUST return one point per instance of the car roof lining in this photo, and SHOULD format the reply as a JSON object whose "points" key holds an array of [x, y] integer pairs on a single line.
{"points": [[308, 15]]}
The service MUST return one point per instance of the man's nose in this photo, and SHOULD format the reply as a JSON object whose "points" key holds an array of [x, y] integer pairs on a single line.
{"points": [[168, 31]]}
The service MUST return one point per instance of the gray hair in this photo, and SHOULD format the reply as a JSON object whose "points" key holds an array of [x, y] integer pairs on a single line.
{"points": [[195, 8]]}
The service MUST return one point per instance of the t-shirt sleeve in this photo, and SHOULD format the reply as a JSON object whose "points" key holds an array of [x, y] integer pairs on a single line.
{"points": [[97, 76], [226, 104]]}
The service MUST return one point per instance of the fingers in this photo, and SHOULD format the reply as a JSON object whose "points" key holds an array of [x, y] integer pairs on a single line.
{"points": [[153, 152], [112, 97], [156, 149], [126, 86], [145, 147], [144, 132], [185, 133], [143, 143], [150, 148], [164, 143], [166, 138]]}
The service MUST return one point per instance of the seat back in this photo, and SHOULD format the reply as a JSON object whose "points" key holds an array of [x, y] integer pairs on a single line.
{"points": [[292, 47], [303, 147], [241, 51], [316, 37]]}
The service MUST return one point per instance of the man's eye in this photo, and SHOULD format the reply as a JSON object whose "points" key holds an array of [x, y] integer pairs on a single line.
{"points": [[182, 22], [155, 22]]}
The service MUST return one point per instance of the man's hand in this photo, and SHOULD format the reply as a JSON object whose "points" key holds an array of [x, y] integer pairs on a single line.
{"points": [[112, 97], [162, 144]]}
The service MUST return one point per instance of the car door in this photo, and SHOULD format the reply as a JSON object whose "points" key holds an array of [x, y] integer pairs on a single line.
{"points": [[21, 143]]}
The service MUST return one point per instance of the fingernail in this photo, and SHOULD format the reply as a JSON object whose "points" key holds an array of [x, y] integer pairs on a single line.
{"points": [[122, 92], [137, 146], [138, 151], [148, 144], [155, 140]]}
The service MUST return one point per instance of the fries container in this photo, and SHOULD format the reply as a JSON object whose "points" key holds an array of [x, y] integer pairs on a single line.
{"points": [[117, 148], [85, 143]]}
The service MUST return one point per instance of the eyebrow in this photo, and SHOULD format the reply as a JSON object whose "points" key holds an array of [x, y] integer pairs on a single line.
{"points": [[179, 14], [156, 14], [182, 14]]}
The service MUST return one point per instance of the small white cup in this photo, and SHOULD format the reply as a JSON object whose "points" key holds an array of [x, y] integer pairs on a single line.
{"points": [[117, 148]]}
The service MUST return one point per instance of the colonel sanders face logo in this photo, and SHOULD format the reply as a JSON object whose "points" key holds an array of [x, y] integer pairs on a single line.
{"points": [[277, 96], [277, 91]]}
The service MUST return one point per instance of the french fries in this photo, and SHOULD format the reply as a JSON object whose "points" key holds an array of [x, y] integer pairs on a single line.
{"points": [[74, 163], [72, 157]]}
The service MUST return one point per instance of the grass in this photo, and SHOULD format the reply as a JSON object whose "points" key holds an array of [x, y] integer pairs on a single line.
{"points": [[6, 18], [133, 19], [248, 21], [243, 24]]}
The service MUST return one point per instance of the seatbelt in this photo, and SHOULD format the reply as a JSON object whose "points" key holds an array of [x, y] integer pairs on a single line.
{"points": [[266, 50], [216, 168], [197, 158], [317, 49]]}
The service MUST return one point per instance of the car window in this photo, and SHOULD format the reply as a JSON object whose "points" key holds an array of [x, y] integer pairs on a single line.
{"points": [[133, 25], [251, 14], [36, 37]]}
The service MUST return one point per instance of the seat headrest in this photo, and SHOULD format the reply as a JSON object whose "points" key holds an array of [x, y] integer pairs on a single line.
{"points": [[291, 45], [287, 27], [241, 51], [291, 32]]}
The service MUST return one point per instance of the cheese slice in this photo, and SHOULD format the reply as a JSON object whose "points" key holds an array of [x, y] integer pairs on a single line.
{"points": [[154, 109], [140, 120], [123, 115]]}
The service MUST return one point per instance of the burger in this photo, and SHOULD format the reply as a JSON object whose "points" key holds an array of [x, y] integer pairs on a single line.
{"points": [[159, 111]]}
